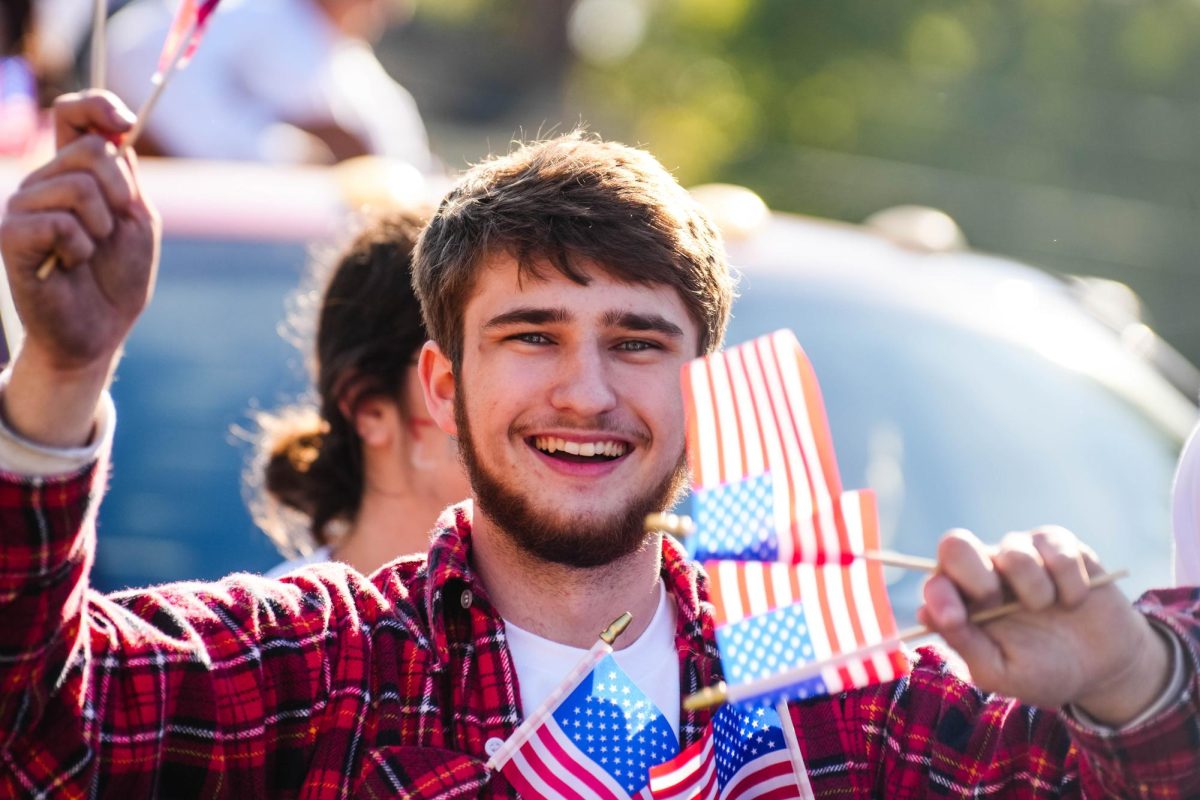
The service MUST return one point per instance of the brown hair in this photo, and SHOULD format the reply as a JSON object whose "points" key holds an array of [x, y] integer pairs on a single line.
{"points": [[308, 470], [564, 199]]}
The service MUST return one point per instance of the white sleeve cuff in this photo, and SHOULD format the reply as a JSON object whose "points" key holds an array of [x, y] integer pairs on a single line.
{"points": [[19, 456], [1168, 699]]}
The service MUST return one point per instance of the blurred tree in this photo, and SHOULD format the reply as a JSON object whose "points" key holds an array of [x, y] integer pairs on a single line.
{"points": [[1059, 131]]}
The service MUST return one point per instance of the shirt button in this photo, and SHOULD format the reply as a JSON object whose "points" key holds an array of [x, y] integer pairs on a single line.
{"points": [[466, 599], [492, 746]]}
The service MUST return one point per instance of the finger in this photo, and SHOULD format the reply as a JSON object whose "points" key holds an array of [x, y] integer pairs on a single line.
{"points": [[946, 614], [93, 111], [1021, 567], [102, 159], [32, 238], [1060, 552], [74, 191], [966, 562]]}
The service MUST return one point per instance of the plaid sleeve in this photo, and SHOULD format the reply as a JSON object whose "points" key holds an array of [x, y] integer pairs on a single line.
{"points": [[244, 688], [45, 529], [1160, 757], [935, 734]]}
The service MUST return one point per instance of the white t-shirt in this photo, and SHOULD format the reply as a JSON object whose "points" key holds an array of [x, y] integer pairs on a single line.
{"points": [[652, 662], [318, 556]]}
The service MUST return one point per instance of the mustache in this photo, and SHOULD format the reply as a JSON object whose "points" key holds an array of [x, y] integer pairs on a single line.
{"points": [[606, 426]]}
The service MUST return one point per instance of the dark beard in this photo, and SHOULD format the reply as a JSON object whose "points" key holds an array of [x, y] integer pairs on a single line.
{"points": [[577, 543]]}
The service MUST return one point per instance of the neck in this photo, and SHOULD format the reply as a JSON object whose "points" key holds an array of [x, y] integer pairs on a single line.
{"points": [[567, 605], [386, 526]]}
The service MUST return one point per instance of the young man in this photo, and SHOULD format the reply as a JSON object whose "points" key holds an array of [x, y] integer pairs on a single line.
{"points": [[564, 286]]}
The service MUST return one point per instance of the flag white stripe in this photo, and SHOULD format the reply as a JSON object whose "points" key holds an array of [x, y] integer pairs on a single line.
{"points": [[801, 496], [706, 426], [730, 596], [747, 416], [573, 763], [727, 422], [742, 787], [775, 460], [786, 351]]}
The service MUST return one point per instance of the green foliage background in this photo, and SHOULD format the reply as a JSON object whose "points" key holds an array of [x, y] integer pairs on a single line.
{"points": [[1060, 132]]}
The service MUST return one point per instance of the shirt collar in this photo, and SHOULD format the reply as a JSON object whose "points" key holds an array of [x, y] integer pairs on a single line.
{"points": [[451, 575]]}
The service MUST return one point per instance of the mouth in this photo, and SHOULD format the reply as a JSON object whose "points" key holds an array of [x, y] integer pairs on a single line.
{"points": [[594, 451]]}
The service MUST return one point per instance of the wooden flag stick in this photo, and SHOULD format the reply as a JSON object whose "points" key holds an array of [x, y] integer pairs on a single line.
{"points": [[139, 126], [681, 527], [586, 664], [723, 693], [99, 44]]}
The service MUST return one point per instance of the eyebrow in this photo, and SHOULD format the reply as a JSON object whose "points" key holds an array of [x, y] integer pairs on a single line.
{"points": [[643, 322], [529, 315]]}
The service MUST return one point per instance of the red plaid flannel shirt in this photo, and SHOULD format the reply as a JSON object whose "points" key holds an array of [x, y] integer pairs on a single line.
{"points": [[328, 684]]}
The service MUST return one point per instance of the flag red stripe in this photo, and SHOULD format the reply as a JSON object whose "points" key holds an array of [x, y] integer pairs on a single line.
{"points": [[745, 783], [527, 788], [788, 415], [693, 422], [819, 423], [578, 771], [718, 439], [879, 598]]}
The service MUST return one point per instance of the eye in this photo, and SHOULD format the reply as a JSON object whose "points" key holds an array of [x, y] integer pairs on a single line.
{"points": [[638, 346], [530, 338]]}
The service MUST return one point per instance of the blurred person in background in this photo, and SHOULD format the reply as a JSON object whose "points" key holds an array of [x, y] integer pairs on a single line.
{"points": [[288, 81], [360, 478], [1185, 513], [18, 88]]}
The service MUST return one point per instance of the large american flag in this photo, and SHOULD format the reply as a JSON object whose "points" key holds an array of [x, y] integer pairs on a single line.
{"points": [[772, 616], [755, 413], [598, 744], [741, 755]]}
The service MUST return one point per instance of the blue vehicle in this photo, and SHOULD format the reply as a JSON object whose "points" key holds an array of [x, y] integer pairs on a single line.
{"points": [[967, 390]]}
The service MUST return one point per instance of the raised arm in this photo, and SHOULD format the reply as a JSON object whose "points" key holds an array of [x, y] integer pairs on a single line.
{"points": [[85, 208]]}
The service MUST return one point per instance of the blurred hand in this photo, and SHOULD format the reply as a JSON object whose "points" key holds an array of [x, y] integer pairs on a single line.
{"points": [[1069, 644], [86, 209]]}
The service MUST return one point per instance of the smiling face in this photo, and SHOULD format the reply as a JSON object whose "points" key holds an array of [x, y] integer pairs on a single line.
{"points": [[567, 407]]}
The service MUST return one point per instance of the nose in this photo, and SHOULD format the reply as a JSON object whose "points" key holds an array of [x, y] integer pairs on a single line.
{"points": [[584, 384]]}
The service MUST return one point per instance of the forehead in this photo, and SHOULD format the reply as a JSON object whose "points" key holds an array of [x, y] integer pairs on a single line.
{"points": [[501, 285]]}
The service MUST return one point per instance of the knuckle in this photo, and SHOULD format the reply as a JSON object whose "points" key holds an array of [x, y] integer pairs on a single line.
{"points": [[69, 99]]}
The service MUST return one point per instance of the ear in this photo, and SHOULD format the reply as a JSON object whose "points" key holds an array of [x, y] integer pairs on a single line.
{"points": [[377, 421], [437, 384]]}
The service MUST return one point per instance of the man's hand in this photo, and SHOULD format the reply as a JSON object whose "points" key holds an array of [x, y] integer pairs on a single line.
{"points": [[85, 209], [1070, 644]]}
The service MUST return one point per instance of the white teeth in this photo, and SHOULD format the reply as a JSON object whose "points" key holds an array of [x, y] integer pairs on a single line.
{"points": [[552, 444]]}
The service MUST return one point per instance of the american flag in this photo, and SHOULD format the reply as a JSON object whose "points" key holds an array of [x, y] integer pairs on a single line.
{"points": [[191, 18], [743, 754], [772, 616], [598, 744], [755, 416]]}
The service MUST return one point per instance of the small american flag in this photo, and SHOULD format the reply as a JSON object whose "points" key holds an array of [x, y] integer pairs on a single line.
{"points": [[598, 744], [755, 417], [191, 18], [742, 754], [772, 616]]}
